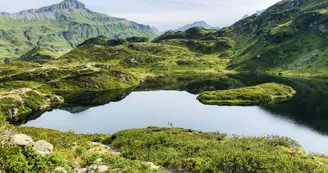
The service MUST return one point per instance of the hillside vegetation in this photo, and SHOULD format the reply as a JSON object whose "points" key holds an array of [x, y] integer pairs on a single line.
{"points": [[61, 27]]}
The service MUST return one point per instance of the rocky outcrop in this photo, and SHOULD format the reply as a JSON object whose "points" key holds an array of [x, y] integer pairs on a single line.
{"points": [[102, 168], [152, 165], [93, 169], [21, 140], [60, 170], [305, 60], [43, 147], [25, 101]]}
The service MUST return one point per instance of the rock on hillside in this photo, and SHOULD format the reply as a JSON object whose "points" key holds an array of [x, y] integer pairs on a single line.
{"points": [[21, 140], [41, 147]]}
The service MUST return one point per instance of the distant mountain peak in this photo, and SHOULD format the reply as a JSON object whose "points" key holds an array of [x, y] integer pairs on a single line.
{"points": [[259, 12], [245, 16], [65, 5], [201, 23]]}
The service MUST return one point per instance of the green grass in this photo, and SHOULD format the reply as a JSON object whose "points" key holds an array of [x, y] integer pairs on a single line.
{"points": [[195, 151], [39, 54], [254, 95]]}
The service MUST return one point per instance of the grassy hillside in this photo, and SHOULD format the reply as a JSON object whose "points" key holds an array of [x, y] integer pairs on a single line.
{"points": [[200, 40], [60, 27], [289, 37]]}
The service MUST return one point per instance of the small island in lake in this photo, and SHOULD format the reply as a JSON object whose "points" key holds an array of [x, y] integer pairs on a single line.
{"points": [[246, 96]]}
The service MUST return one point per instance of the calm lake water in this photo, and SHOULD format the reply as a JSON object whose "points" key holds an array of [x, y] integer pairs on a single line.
{"points": [[157, 108]]}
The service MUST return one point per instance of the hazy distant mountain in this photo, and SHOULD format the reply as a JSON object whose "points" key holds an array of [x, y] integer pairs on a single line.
{"points": [[245, 16], [197, 24], [259, 12], [61, 26], [156, 30]]}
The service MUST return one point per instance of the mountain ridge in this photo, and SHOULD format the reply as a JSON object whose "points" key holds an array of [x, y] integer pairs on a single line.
{"points": [[60, 27], [64, 5]]}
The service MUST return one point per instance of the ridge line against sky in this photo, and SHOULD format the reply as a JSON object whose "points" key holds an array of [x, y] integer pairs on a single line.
{"points": [[162, 14]]}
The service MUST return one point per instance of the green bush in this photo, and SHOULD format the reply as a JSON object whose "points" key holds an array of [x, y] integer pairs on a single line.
{"points": [[16, 160], [137, 39]]}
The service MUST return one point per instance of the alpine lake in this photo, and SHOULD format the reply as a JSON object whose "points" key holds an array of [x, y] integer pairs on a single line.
{"points": [[172, 102]]}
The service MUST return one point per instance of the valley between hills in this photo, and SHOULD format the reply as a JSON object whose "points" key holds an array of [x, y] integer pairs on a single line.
{"points": [[79, 57]]}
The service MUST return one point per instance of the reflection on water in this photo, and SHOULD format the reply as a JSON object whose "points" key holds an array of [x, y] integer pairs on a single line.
{"points": [[157, 108], [308, 107], [79, 102], [304, 118]]}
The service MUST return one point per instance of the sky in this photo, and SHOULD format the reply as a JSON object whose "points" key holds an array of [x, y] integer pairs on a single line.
{"points": [[162, 14]]}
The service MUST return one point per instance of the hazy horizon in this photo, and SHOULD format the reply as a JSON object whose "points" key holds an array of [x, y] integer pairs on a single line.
{"points": [[161, 14]]}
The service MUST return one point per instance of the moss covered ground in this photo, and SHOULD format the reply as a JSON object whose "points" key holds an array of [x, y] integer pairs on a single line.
{"points": [[253, 95]]}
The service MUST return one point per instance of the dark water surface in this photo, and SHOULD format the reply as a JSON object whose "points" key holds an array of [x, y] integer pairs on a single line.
{"points": [[157, 108]]}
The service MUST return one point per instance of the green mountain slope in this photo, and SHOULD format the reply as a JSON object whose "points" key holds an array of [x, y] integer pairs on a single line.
{"points": [[290, 36], [59, 27], [200, 40]]}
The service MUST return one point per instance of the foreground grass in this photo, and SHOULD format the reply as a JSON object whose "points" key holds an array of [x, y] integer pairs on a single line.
{"points": [[170, 148], [71, 151], [255, 95]]}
